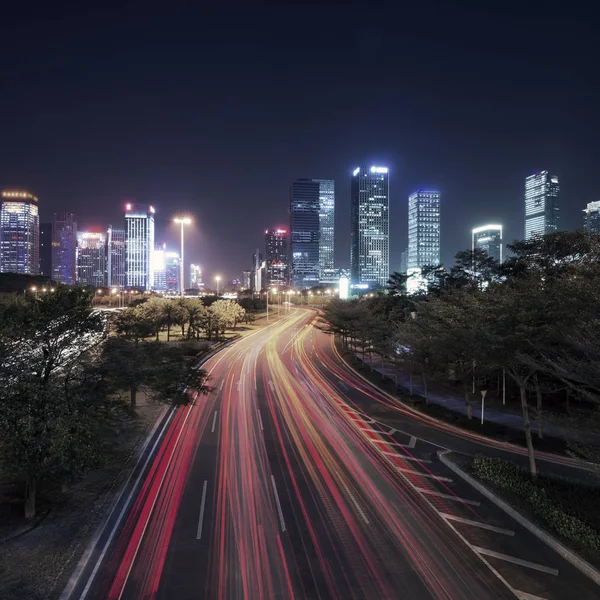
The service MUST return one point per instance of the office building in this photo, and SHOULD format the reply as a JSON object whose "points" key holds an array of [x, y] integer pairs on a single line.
{"points": [[304, 233], [258, 268], [247, 280], [19, 233], [276, 257], [404, 261], [46, 249], [139, 228], [591, 219], [369, 226], [326, 230], [115, 255], [489, 238], [172, 271], [541, 204], [196, 281], [159, 268], [64, 245], [91, 258]]}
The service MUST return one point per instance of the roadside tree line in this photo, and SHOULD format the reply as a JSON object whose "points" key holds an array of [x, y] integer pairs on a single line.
{"points": [[534, 319]]}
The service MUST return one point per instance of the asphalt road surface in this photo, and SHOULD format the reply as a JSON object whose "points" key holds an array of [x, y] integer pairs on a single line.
{"points": [[277, 485]]}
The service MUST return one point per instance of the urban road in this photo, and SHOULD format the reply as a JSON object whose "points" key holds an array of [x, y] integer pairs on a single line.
{"points": [[276, 485]]}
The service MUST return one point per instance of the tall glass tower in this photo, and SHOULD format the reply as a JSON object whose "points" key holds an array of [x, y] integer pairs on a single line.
{"points": [[139, 228], [489, 238], [304, 232], [19, 233], [423, 229], [276, 255], [115, 257], [591, 220], [541, 204], [369, 226], [64, 244], [91, 258], [326, 230]]}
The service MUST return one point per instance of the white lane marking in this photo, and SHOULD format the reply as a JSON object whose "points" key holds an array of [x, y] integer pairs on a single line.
{"points": [[425, 461], [358, 508], [421, 474], [515, 560], [447, 496], [477, 524], [526, 596], [392, 431], [222, 384], [125, 507], [260, 420], [200, 521], [214, 421], [281, 520], [271, 385], [255, 383], [411, 444]]}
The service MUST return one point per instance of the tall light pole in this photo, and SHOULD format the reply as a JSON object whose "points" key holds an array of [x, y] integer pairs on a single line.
{"points": [[182, 221], [218, 279]]}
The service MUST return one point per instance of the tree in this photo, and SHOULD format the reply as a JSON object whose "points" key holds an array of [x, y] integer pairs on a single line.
{"points": [[225, 314], [396, 284]]}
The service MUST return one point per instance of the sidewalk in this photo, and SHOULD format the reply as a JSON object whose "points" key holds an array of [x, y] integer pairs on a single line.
{"points": [[456, 404]]}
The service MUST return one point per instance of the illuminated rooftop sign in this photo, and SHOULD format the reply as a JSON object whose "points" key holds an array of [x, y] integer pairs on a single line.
{"points": [[379, 169]]}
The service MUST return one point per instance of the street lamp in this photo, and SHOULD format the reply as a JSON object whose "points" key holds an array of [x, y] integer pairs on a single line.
{"points": [[182, 221], [217, 279]]}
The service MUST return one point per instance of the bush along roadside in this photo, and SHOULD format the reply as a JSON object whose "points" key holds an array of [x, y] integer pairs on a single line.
{"points": [[568, 509]]}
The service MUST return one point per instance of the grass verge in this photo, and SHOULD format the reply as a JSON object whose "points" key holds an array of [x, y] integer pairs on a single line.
{"points": [[567, 510]]}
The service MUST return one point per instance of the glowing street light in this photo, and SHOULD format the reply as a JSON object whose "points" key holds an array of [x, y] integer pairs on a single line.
{"points": [[217, 279], [182, 221]]}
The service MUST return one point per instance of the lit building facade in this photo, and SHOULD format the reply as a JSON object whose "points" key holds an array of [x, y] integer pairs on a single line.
{"points": [[91, 258], [258, 268], [64, 246], [542, 193], [159, 268], [326, 230], [196, 277], [276, 257], [489, 238], [591, 219], [304, 233], [247, 280], [369, 226], [115, 256], [139, 228], [46, 249], [172, 271], [19, 233]]}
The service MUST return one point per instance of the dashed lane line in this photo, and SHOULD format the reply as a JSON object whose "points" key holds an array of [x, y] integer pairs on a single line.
{"points": [[214, 421], [280, 512], [515, 560], [421, 474], [477, 524], [202, 503], [447, 496], [425, 461]]}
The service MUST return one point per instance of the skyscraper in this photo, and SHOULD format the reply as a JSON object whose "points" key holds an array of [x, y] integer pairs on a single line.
{"points": [[489, 238], [172, 271], [276, 257], [159, 268], [91, 258], [64, 244], [258, 281], [115, 255], [196, 277], [46, 249], [139, 227], [326, 230], [369, 227], [304, 232], [19, 233], [247, 280], [541, 204], [423, 230], [591, 219]]}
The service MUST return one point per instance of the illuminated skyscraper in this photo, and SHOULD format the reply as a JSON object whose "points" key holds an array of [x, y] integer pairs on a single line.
{"points": [[541, 204], [304, 232], [326, 230], [159, 268], [276, 257], [196, 277], [19, 233], [139, 227], [489, 238], [91, 258], [369, 227], [172, 271], [591, 220], [64, 244], [247, 280], [115, 254], [423, 229]]}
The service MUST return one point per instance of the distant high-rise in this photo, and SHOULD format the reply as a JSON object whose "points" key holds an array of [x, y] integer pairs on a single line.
{"points": [[115, 254], [489, 238], [64, 244], [139, 227], [19, 233], [172, 271], [304, 233], [404, 261], [91, 258], [591, 219], [258, 282], [326, 230], [369, 226], [196, 277], [423, 229], [276, 257], [159, 268], [46, 249], [541, 204], [247, 280]]}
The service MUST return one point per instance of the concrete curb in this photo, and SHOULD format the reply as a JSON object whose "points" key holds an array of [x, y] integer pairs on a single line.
{"points": [[579, 563]]}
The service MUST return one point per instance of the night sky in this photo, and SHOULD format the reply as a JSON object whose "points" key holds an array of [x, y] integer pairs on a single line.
{"points": [[215, 112]]}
